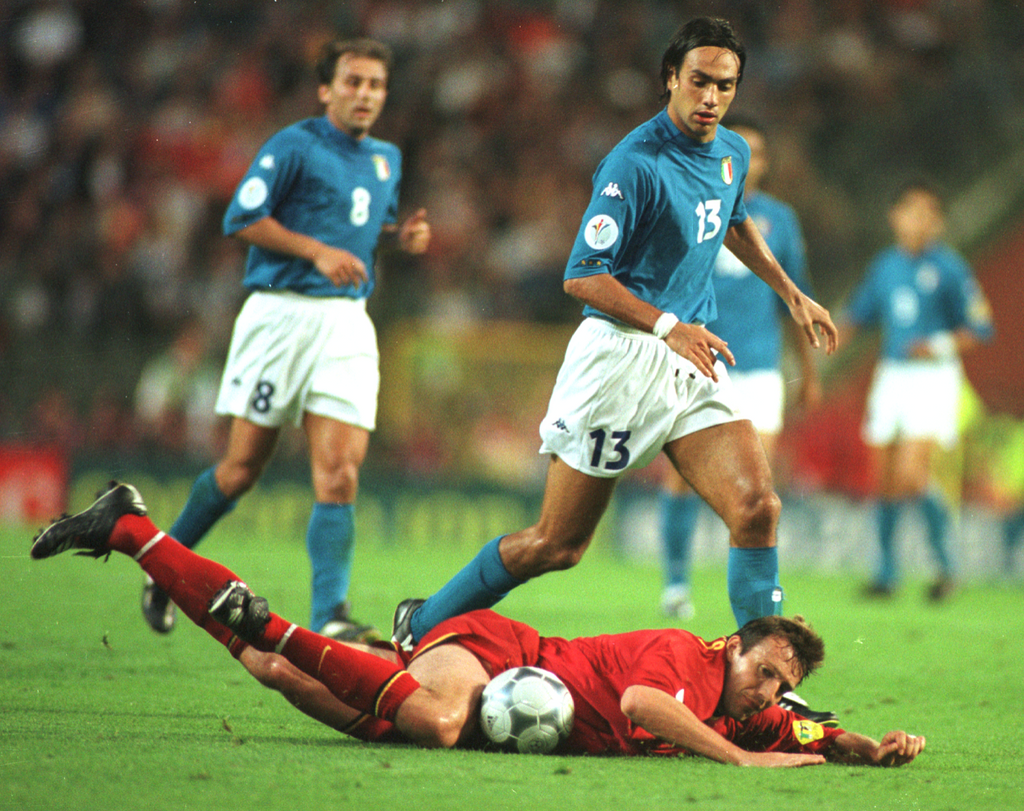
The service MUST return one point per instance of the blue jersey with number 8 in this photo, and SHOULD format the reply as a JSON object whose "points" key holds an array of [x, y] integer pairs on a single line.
{"points": [[318, 181]]}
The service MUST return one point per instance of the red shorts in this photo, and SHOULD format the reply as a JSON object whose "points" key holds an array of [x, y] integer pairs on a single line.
{"points": [[498, 642]]}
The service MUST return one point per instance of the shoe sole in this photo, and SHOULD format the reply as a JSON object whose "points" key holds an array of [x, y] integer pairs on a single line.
{"points": [[47, 545]]}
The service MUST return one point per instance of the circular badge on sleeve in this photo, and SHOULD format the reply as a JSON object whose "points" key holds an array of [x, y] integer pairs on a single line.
{"points": [[601, 232], [253, 193]]}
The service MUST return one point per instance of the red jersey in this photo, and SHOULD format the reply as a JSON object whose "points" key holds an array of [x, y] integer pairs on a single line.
{"points": [[597, 670]]}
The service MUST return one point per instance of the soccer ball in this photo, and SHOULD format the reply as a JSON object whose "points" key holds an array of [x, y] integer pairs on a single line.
{"points": [[526, 709]]}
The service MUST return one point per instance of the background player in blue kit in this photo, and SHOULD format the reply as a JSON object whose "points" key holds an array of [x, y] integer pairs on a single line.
{"points": [[923, 297], [750, 320], [312, 208], [642, 373]]}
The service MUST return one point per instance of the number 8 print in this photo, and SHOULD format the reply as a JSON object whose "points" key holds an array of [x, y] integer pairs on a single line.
{"points": [[360, 212]]}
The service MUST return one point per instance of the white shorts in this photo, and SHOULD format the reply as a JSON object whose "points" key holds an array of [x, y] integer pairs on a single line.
{"points": [[292, 354], [914, 399], [760, 396], [622, 395]]}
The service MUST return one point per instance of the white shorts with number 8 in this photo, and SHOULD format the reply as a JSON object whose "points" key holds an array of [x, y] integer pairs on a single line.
{"points": [[291, 354]]}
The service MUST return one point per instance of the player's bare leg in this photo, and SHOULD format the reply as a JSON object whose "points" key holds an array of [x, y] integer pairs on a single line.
{"points": [[903, 471], [213, 495], [249, 449], [445, 710], [302, 691], [571, 509], [726, 465], [570, 512], [441, 714], [737, 484], [337, 451]]}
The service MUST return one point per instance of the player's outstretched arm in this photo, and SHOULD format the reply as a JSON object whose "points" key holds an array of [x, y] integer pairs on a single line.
{"points": [[896, 749], [303, 692], [672, 721], [746, 242]]}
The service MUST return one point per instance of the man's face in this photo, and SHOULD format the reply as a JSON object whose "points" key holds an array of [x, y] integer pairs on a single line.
{"points": [[917, 220], [758, 156], [702, 90], [354, 98], [756, 680]]}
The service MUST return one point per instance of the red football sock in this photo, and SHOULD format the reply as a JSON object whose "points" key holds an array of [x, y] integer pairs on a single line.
{"points": [[368, 728], [363, 681], [190, 579]]}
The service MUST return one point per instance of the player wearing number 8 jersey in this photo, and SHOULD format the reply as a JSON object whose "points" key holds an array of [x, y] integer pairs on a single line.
{"points": [[312, 208], [642, 373]]}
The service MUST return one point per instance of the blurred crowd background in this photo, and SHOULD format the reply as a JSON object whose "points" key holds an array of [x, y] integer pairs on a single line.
{"points": [[125, 125]]}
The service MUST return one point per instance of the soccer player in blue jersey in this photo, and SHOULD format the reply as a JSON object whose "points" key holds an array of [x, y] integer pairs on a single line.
{"points": [[750, 320], [643, 374], [923, 297], [312, 208]]}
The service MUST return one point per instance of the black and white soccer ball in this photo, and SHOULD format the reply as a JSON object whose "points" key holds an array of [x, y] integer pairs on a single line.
{"points": [[526, 709]]}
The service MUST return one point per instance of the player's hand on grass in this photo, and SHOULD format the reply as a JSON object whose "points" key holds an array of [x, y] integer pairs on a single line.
{"points": [[897, 748], [698, 345], [340, 266]]}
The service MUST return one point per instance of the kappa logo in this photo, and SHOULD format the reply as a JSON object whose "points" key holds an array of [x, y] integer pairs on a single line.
{"points": [[612, 190], [601, 232], [267, 162], [560, 425]]}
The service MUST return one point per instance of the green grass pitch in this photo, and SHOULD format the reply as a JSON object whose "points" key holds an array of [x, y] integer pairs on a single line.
{"points": [[97, 712]]}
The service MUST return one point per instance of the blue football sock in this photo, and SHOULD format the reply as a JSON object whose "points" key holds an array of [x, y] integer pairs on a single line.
{"points": [[678, 521], [1013, 530], [753, 578], [888, 516], [936, 517], [329, 540], [480, 584], [205, 506]]}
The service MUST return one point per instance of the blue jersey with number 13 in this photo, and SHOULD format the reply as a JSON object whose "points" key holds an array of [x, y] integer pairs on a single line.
{"points": [[658, 214]]}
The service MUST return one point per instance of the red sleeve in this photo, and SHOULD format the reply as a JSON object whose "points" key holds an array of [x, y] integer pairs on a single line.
{"points": [[778, 730], [684, 666], [681, 664]]}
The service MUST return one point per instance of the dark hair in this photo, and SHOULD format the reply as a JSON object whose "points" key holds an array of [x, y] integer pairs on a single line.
{"points": [[919, 183], [699, 33], [808, 647], [331, 52]]}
